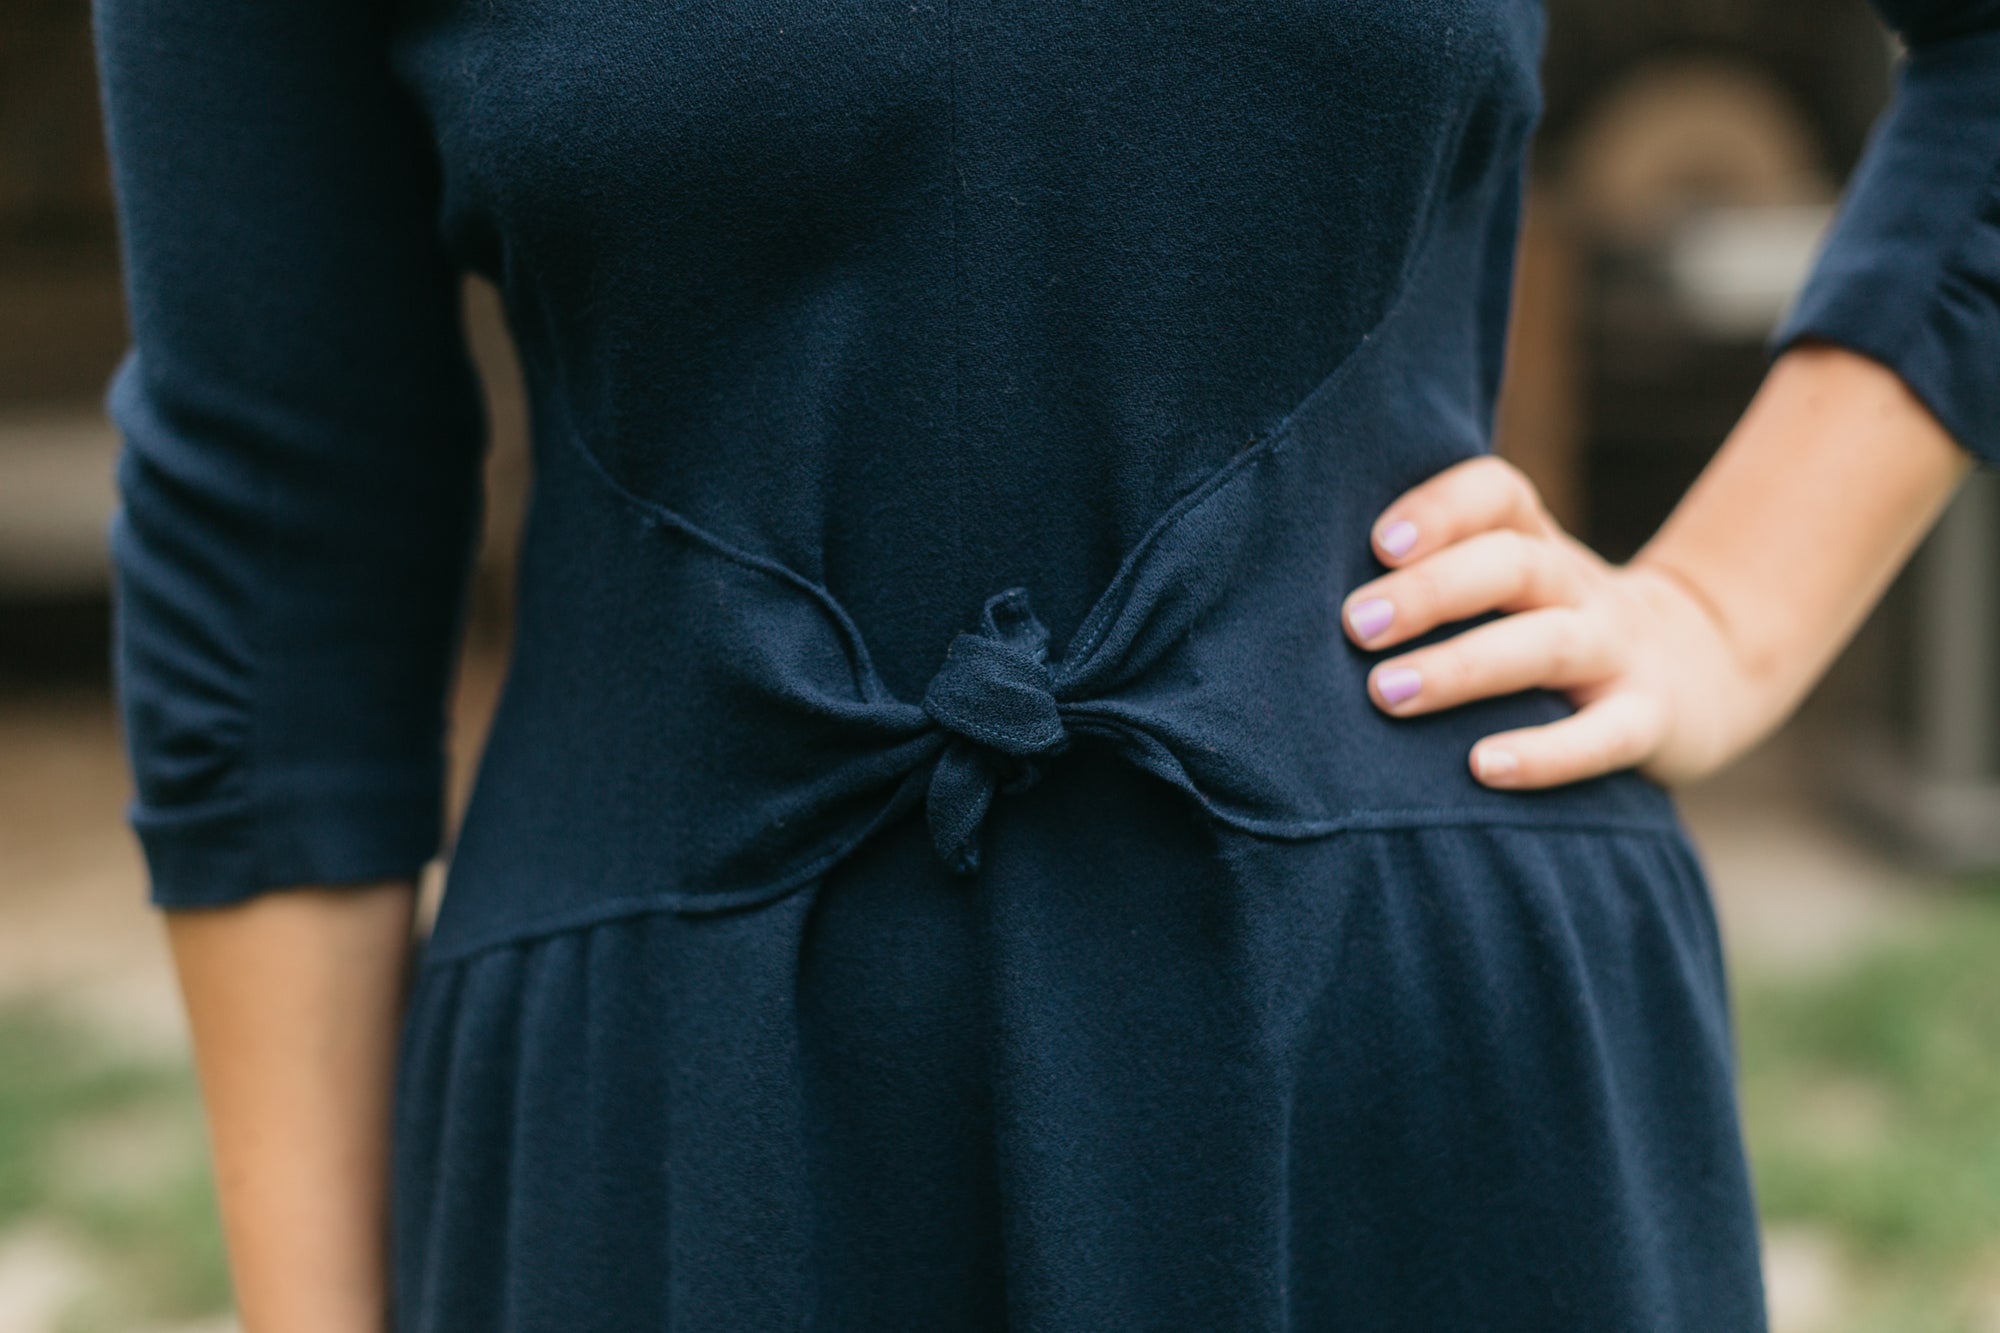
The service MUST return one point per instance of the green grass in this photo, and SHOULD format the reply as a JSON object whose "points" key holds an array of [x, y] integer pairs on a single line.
{"points": [[1872, 1109], [106, 1148]]}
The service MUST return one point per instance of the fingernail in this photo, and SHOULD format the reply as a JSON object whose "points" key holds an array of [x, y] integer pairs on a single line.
{"points": [[1371, 616], [1396, 684], [1399, 536], [1497, 765]]}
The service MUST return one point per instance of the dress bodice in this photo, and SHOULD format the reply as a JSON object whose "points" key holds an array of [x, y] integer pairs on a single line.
{"points": [[972, 292]]}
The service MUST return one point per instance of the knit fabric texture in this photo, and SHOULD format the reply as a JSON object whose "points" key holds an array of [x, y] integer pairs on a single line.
{"points": [[935, 864]]}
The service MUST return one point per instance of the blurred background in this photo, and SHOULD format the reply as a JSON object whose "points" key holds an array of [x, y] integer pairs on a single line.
{"points": [[1690, 156]]}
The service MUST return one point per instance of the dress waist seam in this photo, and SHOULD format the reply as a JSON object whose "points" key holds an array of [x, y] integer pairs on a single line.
{"points": [[700, 902]]}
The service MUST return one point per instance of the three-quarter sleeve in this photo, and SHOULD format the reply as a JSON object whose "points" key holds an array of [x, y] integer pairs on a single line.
{"points": [[1910, 271], [301, 436]]}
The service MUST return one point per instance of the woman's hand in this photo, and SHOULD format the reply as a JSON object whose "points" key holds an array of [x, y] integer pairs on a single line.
{"points": [[1656, 682], [1701, 644]]}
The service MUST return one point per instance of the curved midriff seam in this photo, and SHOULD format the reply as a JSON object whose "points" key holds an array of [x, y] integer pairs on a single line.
{"points": [[699, 903], [1096, 621]]}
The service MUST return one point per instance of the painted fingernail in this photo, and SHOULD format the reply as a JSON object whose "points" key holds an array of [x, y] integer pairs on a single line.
{"points": [[1399, 536], [1371, 616], [1497, 766], [1397, 683]]}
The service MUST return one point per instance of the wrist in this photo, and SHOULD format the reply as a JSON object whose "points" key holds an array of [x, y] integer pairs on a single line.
{"points": [[1722, 691]]}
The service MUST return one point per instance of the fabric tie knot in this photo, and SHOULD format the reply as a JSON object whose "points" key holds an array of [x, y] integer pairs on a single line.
{"points": [[994, 694]]}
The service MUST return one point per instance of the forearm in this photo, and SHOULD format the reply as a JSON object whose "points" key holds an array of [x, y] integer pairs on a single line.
{"points": [[1796, 527], [294, 999]]}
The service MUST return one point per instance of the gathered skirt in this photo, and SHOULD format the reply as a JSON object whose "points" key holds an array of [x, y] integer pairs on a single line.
{"points": [[1142, 1072]]}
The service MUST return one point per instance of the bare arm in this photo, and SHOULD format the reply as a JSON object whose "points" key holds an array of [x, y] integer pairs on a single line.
{"points": [[1796, 527], [294, 1000]]}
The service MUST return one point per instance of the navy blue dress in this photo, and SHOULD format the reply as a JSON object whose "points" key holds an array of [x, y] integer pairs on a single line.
{"points": [[936, 865]]}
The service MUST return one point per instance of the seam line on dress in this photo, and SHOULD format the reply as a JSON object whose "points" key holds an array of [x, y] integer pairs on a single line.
{"points": [[954, 192], [699, 903]]}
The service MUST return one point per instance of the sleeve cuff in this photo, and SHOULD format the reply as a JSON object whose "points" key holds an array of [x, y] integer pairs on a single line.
{"points": [[215, 856], [1910, 272]]}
